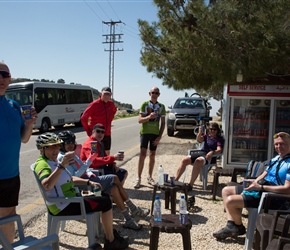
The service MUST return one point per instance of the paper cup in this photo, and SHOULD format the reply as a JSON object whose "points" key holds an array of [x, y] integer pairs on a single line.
{"points": [[94, 146], [26, 111]]}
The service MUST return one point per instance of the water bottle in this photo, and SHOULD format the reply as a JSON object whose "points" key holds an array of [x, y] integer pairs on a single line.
{"points": [[160, 175], [182, 210], [157, 209]]}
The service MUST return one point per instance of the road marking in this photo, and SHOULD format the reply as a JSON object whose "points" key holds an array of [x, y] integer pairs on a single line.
{"points": [[29, 207]]}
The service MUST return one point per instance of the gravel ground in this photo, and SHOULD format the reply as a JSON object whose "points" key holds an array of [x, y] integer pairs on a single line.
{"points": [[208, 217]]}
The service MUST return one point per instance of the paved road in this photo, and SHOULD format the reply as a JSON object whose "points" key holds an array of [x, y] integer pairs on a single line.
{"points": [[125, 136]]}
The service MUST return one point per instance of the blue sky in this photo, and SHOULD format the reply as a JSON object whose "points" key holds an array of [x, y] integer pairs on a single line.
{"points": [[55, 39]]}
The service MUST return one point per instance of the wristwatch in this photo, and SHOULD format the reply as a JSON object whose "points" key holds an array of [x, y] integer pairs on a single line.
{"points": [[262, 188], [60, 166]]}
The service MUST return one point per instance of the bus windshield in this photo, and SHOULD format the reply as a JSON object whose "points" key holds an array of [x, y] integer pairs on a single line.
{"points": [[22, 96]]}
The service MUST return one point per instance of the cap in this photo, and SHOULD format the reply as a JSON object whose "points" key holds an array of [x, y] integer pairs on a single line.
{"points": [[4, 67], [107, 90], [99, 126]]}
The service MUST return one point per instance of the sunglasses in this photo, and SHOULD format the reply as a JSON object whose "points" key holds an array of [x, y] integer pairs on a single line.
{"points": [[4, 74], [69, 142], [281, 134], [155, 93], [100, 131], [214, 129]]}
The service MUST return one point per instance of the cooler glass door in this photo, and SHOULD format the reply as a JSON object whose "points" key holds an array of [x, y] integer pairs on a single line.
{"points": [[282, 118], [249, 130]]}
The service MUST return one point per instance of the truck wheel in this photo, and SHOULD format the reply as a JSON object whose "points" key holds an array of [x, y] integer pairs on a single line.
{"points": [[170, 132], [45, 125]]}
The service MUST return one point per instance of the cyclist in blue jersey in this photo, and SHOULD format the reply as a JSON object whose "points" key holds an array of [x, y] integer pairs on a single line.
{"points": [[13, 130], [275, 179]]}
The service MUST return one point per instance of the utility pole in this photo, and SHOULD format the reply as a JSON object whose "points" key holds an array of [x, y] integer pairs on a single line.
{"points": [[112, 39]]}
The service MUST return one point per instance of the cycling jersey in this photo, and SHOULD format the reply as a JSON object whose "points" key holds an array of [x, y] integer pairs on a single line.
{"points": [[64, 186], [11, 125], [152, 126]]}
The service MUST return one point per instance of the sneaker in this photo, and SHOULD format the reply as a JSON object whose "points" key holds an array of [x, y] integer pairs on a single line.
{"points": [[131, 224], [118, 236], [226, 232], [188, 187], [142, 212], [137, 183], [151, 181], [116, 244], [242, 229]]}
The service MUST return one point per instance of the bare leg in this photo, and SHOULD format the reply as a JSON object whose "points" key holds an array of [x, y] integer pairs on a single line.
{"points": [[181, 168], [125, 177], [107, 222], [233, 204], [151, 162], [143, 152], [197, 165], [117, 198], [121, 190], [8, 229]]}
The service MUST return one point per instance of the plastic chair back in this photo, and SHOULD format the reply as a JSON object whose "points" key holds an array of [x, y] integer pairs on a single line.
{"points": [[53, 222]]}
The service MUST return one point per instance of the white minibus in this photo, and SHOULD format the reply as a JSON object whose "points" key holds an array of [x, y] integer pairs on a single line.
{"points": [[56, 104]]}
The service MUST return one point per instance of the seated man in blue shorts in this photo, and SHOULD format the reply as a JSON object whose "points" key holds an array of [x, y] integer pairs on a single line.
{"points": [[275, 179], [103, 161], [111, 184], [213, 144]]}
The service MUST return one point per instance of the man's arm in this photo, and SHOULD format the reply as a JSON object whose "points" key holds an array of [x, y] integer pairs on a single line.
{"points": [[142, 118], [84, 118]]}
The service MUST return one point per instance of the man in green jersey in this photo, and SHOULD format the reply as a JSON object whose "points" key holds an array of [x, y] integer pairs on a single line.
{"points": [[151, 113]]}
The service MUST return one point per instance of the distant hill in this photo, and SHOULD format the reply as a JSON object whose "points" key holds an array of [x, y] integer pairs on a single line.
{"points": [[96, 93]]}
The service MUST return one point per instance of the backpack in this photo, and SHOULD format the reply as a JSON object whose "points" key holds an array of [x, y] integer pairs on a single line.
{"points": [[255, 168]]}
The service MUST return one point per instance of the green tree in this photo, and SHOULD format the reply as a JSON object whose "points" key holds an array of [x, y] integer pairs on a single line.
{"points": [[203, 47], [60, 81]]}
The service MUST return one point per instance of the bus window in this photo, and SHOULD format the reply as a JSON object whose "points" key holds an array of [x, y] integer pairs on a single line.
{"points": [[40, 98]]}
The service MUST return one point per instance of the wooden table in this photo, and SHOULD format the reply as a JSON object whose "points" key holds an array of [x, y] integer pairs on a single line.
{"points": [[170, 224]]}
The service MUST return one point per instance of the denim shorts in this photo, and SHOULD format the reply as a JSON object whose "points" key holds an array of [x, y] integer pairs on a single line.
{"points": [[106, 181]]}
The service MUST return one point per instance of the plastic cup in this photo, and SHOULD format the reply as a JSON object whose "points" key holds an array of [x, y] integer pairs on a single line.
{"points": [[183, 217], [246, 183], [172, 180], [165, 177], [97, 191], [94, 146], [26, 111]]}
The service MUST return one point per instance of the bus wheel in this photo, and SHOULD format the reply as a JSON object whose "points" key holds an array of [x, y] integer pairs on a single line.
{"points": [[45, 125]]}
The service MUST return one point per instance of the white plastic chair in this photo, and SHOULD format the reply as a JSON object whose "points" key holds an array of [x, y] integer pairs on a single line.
{"points": [[53, 221], [50, 242], [205, 169]]}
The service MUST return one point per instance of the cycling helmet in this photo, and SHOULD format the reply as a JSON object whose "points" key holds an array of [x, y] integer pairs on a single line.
{"points": [[67, 136], [47, 139]]}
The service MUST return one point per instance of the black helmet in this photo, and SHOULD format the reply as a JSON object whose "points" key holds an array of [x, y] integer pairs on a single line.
{"points": [[67, 136], [47, 139]]}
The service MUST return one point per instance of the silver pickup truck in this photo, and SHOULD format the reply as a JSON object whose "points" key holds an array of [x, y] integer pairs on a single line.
{"points": [[188, 113]]}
